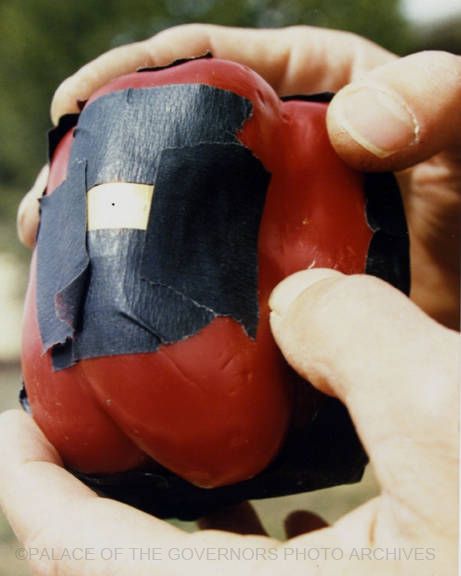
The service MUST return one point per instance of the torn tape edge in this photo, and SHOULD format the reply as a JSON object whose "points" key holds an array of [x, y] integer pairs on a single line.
{"points": [[204, 56]]}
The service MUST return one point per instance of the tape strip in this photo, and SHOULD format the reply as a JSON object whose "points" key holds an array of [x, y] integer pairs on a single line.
{"points": [[203, 228], [55, 135], [199, 253], [389, 251], [122, 134], [62, 259]]}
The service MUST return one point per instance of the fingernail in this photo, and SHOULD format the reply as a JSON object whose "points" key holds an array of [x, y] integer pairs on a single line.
{"points": [[378, 120], [285, 293]]}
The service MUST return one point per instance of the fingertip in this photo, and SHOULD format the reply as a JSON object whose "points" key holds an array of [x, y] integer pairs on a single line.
{"points": [[64, 101], [238, 519], [27, 221], [373, 128], [340, 335], [399, 114], [89, 78], [28, 210], [291, 303], [301, 522], [287, 291]]}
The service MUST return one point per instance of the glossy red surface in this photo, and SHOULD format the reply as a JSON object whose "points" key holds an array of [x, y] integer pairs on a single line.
{"points": [[213, 408]]}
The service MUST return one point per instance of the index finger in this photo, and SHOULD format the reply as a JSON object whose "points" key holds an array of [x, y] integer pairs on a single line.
{"points": [[294, 60]]}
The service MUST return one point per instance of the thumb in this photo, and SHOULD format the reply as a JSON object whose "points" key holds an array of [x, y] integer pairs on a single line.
{"points": [[399, 114], [363, 341], [358, 338]]}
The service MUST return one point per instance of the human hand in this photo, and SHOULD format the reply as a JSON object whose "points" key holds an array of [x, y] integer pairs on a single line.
{"points": [[389, 114], [377, 371], [354, 337]]}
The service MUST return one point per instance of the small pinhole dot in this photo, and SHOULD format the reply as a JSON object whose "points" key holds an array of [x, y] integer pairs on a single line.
{"points": [[113, 204]]}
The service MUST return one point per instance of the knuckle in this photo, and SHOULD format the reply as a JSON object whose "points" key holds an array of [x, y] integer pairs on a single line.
{"points": [[354, 38], [444, 66], [299, 31], [443, 59], [61, 90], [179, 30]]}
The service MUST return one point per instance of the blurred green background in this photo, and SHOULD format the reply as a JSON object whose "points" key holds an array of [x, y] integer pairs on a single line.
{"points": [[43, 41]]}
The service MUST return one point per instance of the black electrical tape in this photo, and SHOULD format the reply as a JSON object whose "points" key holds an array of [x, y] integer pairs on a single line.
{"points": [[319, 454], [389, 251], [163, 137], [55, 135]]}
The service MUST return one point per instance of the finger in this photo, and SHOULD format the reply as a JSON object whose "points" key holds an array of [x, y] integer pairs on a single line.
{"points": [[358, 338], [27, 458], [49, 508], [400, 113], [239, 519], [293, 60], [302, 522], [51, 511], [28, 211]]}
